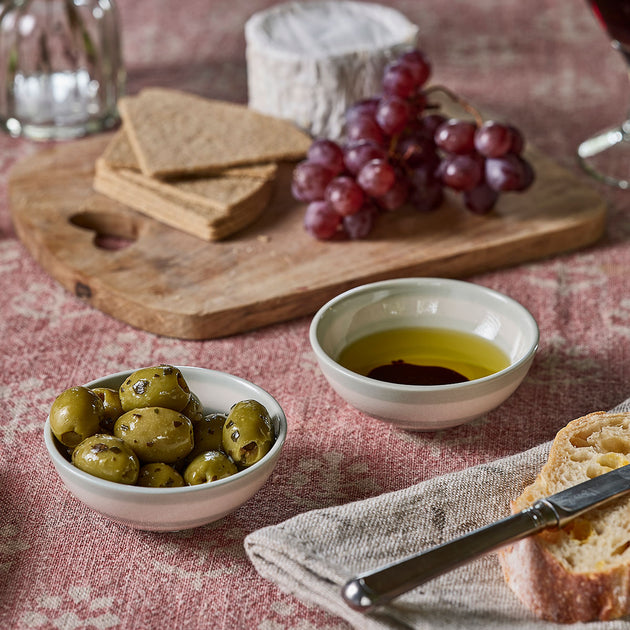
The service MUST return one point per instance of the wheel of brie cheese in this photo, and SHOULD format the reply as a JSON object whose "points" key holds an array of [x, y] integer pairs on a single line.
{"points": [[309, 61]]}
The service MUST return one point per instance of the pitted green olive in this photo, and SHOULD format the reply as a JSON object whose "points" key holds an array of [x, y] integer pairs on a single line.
{"points": [[247, 433], [107, 457], [209, 466], [159, 475], [159, 386], [156, 434], [208, 434], [111, 406], [194, 408], [75, 415]]}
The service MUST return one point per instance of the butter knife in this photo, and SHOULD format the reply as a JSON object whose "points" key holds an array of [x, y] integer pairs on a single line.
{"points": [[378, 587]]}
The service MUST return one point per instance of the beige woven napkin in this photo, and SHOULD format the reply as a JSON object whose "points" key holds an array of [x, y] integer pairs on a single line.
{"points": [[313, 554]]}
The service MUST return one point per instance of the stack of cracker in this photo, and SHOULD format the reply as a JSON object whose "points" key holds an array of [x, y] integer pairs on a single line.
{"points": [[202, 166]]}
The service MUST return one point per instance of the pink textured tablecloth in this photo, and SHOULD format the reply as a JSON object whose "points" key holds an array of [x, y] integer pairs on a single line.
{"points": [[543, 64]]}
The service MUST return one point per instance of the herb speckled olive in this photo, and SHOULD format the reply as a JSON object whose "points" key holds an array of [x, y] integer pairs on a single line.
{"points": [[159, 475], [156, 434], [75, 415], [111, 406], [107, 457], [247, 433], [208, 434], [209, 466], [158, 386], [194, 408]]}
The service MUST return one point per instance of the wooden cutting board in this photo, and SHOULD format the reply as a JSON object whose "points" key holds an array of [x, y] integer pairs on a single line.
{"points": [[176, 285]]}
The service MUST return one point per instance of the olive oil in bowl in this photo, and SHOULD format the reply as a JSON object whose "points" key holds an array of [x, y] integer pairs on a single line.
{"points": [[423, 356]]}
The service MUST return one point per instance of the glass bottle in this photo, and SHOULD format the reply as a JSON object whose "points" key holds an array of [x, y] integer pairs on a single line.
{"points": [[61, 67]]}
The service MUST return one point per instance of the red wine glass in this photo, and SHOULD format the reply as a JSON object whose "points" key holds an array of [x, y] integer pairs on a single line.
{"points": [[600, 154]]}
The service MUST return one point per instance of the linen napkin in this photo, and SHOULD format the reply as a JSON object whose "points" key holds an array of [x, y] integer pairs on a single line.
{"points": [[313, 554]]}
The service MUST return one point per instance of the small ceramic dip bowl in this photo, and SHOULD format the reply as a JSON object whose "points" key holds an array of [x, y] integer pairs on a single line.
{"points": [[389, 316], [177, 508]]}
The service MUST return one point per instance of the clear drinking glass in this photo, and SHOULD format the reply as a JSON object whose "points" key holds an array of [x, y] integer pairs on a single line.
{"points": [[606, 155], [61, 67]]}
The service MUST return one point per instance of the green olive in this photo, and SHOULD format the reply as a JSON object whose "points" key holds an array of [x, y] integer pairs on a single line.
{"points": [[156, 434], [194, 408], [209, 466], [208, 434], [247, 433], [111, 405], [75, 415], [107, 457], [159, 475], [159, 386]]}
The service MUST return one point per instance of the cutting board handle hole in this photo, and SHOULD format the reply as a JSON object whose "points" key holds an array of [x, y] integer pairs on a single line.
{"points": [[112, 232]]}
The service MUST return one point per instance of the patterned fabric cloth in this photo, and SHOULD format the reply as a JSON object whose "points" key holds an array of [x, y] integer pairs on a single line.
{"points": [[546, 66]]}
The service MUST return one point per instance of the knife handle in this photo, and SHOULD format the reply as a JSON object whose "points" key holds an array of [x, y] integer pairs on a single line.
{"points": [[378, 587]]}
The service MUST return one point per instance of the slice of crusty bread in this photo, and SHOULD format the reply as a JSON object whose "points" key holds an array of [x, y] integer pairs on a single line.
{"points": [[580, 572], [175, 134]]}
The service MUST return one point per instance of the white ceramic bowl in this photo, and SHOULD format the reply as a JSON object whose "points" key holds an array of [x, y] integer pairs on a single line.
{"points": [[172, 509], [424, 302]]}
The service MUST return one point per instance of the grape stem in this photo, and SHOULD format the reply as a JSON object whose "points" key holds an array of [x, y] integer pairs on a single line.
{"points": [[465, 105]]}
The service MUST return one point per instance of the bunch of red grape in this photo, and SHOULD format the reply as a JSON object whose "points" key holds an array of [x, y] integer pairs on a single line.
{"points": [[399, 150]]}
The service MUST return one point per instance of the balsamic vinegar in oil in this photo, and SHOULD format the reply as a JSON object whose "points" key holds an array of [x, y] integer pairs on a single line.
{"points": [[423, 356]]}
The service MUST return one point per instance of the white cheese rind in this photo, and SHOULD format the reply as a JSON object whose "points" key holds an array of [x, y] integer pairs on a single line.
{"points": [[309, 61]]}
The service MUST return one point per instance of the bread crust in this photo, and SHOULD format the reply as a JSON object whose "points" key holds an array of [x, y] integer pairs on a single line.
{"points": [[552, 593], [548, 584]]}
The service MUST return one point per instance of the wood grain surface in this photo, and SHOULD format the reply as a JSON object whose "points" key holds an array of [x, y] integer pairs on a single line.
{"points": [[173, 284]]}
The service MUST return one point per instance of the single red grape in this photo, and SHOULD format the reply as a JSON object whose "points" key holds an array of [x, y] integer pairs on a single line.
{"points": [[328, 153], [364, 127], [456, 136], [518, 142], [321, 221], [393, 114], [344, 195], [509, 172], [493, 139], [480, 199], [427, 192], [310, 180], [366, 106], [418, 64], [461, 172], [398, 80], [528, 175], [359, 225], [427, 199], [376, 177], [358, 154], [397, 195]]}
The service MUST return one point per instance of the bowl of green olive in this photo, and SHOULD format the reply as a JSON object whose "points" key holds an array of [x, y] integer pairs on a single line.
{"points": [[424, 354], [165, 448]]}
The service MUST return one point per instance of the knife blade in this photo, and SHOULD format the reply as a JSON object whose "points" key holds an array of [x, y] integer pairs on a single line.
{"points": [[380, 586]]}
